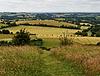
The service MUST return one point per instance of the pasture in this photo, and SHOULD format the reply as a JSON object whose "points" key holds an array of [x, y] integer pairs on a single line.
{"points": [[47, 31], [3, 24], [51, 42], [48, 22]]}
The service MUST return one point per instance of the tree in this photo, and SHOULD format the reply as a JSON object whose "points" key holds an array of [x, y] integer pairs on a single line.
{"points": [[5, 31], [98, 34], [22, 38]]}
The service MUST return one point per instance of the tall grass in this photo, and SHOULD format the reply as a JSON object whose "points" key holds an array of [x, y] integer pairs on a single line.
{"points": [[86, 58], [21, 61]]}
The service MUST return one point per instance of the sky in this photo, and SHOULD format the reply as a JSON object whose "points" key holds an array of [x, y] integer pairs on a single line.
{"points": [[49, 5]]}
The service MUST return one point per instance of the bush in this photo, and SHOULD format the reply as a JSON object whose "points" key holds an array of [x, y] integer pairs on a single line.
{"points": [[98, 34], [98, 43], [36, 42], [64, 40], [5, 32], [5, 43], [21, 38], [78, 33], [45, 48]]}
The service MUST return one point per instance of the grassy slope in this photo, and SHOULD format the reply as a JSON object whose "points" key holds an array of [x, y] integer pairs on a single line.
{"points": [[31, 61], [65, 61], [86, 58]]}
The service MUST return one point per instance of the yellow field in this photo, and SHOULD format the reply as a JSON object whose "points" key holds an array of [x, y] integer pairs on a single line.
{"points": [[48, 22], [60, 15], [42, 30], [85, 23], [50, 32], [2, 36], [87, 40], [85, 27]]}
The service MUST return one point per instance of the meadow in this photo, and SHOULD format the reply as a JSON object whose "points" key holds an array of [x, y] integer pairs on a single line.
{"points": [[60, 61], [51, 35], [52, 41], [86, 58], [80, 59], [42, 30], [48, 22], [3, 24]]}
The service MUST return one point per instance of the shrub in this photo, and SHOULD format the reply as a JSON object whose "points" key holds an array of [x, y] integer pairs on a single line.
{"points": [[98, 43], [21, 38], [5, 43], [78, 33], [98, 34], [64, 40], [5, 32], [36, 42]]}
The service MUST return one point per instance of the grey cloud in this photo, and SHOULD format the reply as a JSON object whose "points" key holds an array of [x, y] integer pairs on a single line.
{"points": [[50, 5]]}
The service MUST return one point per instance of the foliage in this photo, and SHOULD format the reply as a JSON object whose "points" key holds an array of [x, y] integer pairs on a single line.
{"points": [[5, 32], [5, 43], [78, 33], [64, 40], [9, 25], [21, 38], [36, 42], [98, 43], [98, 34], [45, 25]]}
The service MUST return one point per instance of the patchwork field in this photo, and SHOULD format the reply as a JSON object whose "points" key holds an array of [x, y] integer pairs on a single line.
{"points": [[48, 22], [51, 42], [3, 24], [42, 30]]}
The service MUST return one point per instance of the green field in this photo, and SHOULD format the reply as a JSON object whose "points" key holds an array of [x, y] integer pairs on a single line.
{"points": [[3, 24], [48, 22], [46, 31], [54, 42]]}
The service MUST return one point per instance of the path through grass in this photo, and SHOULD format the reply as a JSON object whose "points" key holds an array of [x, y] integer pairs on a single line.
{"points": [[58, 68]]}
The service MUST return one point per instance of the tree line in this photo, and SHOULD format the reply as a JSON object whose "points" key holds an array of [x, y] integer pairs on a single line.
{"points": [[45, 25]]}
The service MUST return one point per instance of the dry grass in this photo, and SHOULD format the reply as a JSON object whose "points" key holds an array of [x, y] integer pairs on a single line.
{"points": [[2, 36], [48, 22], [21, 61], [86, 58], [85, 23]]}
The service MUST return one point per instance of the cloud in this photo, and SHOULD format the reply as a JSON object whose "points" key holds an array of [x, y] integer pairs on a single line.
{"points": [[50, 5]]}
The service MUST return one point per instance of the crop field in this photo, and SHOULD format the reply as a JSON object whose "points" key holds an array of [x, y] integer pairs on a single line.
{"points": [[48, 22], [51, 42], [87, 40], [3, 24], [61, 15], [43, 31], [85, 23]]}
